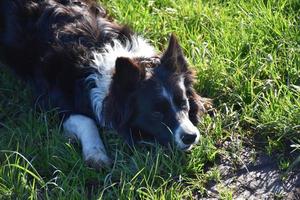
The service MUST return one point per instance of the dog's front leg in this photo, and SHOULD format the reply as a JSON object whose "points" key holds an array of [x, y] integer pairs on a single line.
{"points": [[85, 129]]}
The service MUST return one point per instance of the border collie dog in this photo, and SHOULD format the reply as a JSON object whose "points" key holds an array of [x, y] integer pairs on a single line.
{"points": [[97, 72]]}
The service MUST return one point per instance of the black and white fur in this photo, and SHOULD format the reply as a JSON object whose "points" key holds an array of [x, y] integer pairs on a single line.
{"points": [[96, 71]]}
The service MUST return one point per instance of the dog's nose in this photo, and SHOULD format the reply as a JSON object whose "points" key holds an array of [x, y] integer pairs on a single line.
{"points": [[189, 138]]}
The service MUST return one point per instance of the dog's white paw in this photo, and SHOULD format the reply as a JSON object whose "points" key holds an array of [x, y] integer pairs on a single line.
{"points": [[96, 158], [85, 129]]}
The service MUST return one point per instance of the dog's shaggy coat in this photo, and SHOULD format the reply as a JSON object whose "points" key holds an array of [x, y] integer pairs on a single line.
{"points": [[94, 70]]}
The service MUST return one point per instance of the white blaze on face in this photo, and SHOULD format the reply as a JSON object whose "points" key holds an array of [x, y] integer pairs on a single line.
{"points": [[185, 126]]}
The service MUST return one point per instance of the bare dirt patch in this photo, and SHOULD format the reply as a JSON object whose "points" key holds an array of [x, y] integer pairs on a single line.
{"points": [[255, 176]]}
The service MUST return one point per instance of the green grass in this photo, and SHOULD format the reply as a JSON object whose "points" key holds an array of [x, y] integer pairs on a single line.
{"points": [[247, 57]]}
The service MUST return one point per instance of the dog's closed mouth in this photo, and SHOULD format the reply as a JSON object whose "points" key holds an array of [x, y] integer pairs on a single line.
{"points": [[140, 135], [188, 148]]}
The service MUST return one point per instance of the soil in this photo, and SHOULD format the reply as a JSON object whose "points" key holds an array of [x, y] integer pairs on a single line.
{"points": [[254, 175]]}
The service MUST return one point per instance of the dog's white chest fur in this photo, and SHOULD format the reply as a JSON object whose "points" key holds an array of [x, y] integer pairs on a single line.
{"points": [[104, 62]]}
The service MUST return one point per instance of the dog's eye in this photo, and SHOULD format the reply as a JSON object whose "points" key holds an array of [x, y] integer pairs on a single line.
{"points": [[162, 105], [157, 115]]}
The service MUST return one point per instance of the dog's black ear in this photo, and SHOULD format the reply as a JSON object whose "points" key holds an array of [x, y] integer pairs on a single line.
{"points": [[173, 58], [127, 74]]}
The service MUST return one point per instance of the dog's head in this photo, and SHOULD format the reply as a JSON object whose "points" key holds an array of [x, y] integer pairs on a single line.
{"points": [[157, 102]]}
